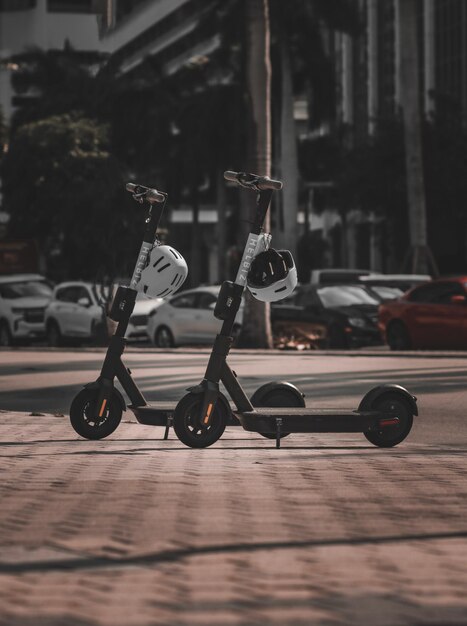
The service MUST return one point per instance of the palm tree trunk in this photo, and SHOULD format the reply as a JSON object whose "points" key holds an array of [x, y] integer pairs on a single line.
{"points": [[288, 155], [410, 101], [256, 330]]}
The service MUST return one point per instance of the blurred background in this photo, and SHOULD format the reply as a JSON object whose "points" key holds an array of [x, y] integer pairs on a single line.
{"points": [[367, 114]]}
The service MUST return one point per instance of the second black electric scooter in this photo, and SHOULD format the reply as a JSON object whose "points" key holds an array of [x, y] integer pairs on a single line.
{"points": [[384, 415]]}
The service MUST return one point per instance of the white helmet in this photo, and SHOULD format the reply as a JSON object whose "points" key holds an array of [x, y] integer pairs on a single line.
{"points": [[272, 275], [164, 274]]}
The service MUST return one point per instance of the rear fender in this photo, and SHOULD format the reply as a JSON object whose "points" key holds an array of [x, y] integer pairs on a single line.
{"points": [[368, 399], [259, 394]]}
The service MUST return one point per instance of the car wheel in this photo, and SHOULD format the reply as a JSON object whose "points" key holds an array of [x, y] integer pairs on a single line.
{"points": [[337, 337], [163, 338], [6, 338], [398, 337], [54, 336], [236, 330]]}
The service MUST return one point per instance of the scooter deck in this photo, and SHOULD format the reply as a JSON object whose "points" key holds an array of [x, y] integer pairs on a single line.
{"points": [[154, 415], [307, 420]]}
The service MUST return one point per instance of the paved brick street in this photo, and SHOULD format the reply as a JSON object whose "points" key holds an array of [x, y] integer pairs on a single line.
{"points": [[136, 530]]}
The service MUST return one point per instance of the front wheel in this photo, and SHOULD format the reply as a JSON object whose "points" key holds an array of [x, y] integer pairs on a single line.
{"points": [[163, 338], [277, 395], [84, 414], [187, 422], [392, 435]]}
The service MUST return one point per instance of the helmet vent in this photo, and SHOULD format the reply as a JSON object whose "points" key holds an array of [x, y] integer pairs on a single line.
{"points": [[158, 261], [174, 253], [175, 278], [179, 280], [283, 288], [163, 267], [162, 293], [145, 289]]}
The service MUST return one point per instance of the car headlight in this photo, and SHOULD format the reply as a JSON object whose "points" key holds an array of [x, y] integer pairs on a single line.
{"points": [[21, 312], [358, 322]]}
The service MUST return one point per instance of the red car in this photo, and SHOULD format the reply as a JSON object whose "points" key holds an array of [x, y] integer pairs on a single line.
{"points": [[432, 315]]}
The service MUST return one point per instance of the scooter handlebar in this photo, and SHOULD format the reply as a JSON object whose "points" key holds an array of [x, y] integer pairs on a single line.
{"points": [[145, 193], [253, 181]]}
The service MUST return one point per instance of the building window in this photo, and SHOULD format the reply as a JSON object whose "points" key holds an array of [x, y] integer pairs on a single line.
{"points": [[16, 5], [70, 6]]}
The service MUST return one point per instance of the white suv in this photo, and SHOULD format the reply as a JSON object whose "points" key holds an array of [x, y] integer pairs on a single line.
{"points": [[75, 312], [23, 298]]}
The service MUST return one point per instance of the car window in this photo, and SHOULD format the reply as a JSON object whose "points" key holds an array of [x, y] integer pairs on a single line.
{"points": [[77, 292], [386, 293], [205, 300], [439, 292], [25, 289], [184, 301], [62, 294], [345, 296]]}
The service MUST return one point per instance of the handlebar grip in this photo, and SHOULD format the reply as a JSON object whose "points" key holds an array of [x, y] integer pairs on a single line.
{"points": [[253, 181], [151, 195]]}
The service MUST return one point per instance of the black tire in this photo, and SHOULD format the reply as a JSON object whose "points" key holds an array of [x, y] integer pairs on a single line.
{"points": [[82, 412], [187, 425], [277, 397], [6, 339], [54, 336], [337, 339], [392, 435], [163, 337], [397, 336]]}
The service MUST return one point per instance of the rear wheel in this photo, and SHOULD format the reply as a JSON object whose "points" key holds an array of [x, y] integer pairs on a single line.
{"points": [[163, 338], [6, 338], [85, 418], [397, 335], [187, 422], [54, 336], [392, 435], [279, 395]]}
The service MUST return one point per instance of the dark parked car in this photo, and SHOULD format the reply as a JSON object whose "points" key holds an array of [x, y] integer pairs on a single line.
{"points": [[349, 313], [433, 315]]}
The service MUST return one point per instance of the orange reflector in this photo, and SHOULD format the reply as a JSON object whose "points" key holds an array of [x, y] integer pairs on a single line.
{"points": [[393, 421], [102, 408], [206, 419]]}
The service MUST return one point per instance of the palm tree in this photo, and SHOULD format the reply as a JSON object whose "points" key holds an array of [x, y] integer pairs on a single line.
{"points": [[256, 331], [420, 253]]}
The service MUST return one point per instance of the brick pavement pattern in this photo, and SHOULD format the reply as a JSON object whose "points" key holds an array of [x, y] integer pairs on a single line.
{"points": [[134, 530]]}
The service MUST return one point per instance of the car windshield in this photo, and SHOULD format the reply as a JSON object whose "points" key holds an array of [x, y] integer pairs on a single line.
{"points": [[386, 293], [344, 296], [26, 289]]}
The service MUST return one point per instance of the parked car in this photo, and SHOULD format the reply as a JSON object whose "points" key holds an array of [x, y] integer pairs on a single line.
{"points": [[187, 318], [75, 313], [23, 299], [432, 315], [337, 276], [391, 286], [348, 312]]}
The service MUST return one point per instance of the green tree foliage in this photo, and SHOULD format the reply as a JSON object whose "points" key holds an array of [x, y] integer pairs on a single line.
{"points": [[63, 188]]}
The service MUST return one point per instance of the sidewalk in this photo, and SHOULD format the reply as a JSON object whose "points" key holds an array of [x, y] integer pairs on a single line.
{"points": [[138, 531]]}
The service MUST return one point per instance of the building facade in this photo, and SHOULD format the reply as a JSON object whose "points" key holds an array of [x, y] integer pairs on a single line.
{"points": [[368, 79]]}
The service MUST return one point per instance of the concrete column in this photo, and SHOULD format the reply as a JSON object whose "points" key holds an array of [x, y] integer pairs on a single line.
{"points": [[397, 56], [429, 54], [372, 44], [347, 80]]}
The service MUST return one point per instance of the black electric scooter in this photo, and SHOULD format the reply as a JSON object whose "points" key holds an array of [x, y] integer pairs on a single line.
{"points": [[97, 409], [384, 415]]}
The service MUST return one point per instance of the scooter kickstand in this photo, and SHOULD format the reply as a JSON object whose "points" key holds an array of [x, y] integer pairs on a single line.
{"points": [[278, 431], [170, 421]]}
